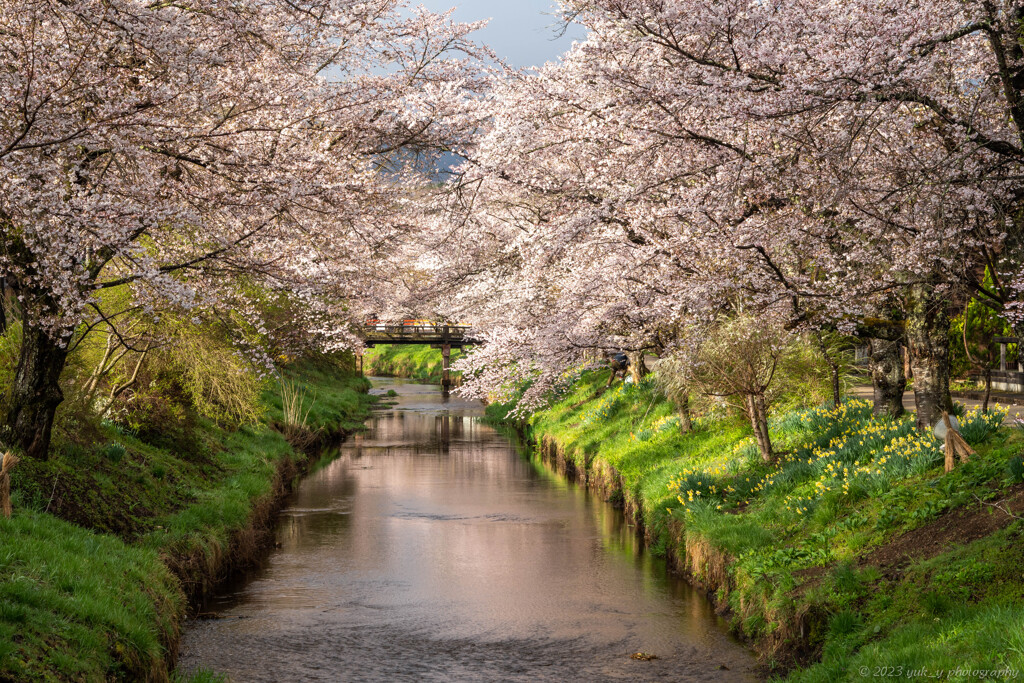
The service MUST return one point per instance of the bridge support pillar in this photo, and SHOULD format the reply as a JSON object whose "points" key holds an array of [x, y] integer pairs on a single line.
{"points": [[446, 380]]}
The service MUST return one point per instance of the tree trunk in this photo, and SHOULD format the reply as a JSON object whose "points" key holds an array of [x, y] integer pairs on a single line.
{"points": [[637, 366], [887, 378], [836, 397], [928, 346], [759, 421], [685, 421], [116, 391], [988, 389], [3, 305], [833, 367], [36, 392]]}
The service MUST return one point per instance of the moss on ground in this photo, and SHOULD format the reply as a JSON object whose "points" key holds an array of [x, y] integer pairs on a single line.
{"points": [[853, 549], [110, 536]]}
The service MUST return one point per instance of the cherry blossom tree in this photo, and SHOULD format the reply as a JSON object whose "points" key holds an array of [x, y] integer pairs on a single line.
{"points": [[838, 158], [165, 146]]}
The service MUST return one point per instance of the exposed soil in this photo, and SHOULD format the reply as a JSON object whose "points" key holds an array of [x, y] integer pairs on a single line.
{"points": [[957, 528]]}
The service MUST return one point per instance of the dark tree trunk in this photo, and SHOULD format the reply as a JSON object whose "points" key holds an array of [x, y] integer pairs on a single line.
{"points": [[887, 378], [759, 422], [836, 398], [988, 389], [3, 305], [685, 421], [928, 344], [36, 392], [637, 366]]}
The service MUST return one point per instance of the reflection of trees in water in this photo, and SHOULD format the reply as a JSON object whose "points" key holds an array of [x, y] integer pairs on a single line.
{"points": [[314, 512], [448, 428], [444, 517], [419, 434]]}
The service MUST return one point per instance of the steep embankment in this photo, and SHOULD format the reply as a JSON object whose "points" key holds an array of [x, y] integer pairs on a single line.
{"points": [[853, 551], [413, 361], [110, 541]]}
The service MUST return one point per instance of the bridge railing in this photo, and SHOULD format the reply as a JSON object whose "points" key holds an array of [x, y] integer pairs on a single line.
{"points": [[441, 330]]}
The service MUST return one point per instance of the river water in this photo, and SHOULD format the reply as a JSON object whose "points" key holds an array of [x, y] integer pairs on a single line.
{"points": [[431, 549]]}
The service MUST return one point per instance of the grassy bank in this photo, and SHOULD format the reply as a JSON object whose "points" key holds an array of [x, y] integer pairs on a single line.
{"points": [[852, 550], [115, 533], [415, 361]]}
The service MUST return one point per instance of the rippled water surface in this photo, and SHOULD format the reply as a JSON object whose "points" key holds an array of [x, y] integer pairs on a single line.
{"points": [[432, 550]]}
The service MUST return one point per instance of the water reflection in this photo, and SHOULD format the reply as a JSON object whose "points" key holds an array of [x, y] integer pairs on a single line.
{"points": [[430, 550]]}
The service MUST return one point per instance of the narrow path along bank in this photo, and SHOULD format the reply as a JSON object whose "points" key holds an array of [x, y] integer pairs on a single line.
{"points": [[969, 399], [431, 549]]}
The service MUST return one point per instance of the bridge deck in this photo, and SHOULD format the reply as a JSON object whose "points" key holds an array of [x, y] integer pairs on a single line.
{"points": [[445, 335]]}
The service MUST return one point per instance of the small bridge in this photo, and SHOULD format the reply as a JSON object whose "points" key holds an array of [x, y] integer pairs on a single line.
{"points": [[439, 336]]}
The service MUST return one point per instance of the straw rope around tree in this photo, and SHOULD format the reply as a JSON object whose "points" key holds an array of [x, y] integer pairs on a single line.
{"points": [[955, 444], [7, 463]]}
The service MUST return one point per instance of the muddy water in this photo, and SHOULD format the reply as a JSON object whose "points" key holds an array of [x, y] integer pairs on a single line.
{"points": [[432, 550]]}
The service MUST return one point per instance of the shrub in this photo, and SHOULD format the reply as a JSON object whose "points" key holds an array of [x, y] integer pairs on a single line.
{"points": [[161, 414], [10, 348], [220, 382]]}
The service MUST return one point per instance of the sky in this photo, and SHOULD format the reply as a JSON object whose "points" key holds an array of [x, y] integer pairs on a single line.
{"points": [[523, 32]]}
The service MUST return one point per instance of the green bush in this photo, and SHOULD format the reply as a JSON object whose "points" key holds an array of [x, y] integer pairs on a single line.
{"points": [[10, 349], [221, 384]]}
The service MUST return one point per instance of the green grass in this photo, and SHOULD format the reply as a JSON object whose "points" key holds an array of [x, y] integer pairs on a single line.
{"points": [[87, 590], [199, 676], [960, 609], [792, 538], [415, 361], [76, 605], [336, 401]]}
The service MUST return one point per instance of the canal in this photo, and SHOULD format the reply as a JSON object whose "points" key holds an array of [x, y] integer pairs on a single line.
{"points": [[433, 549]]}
